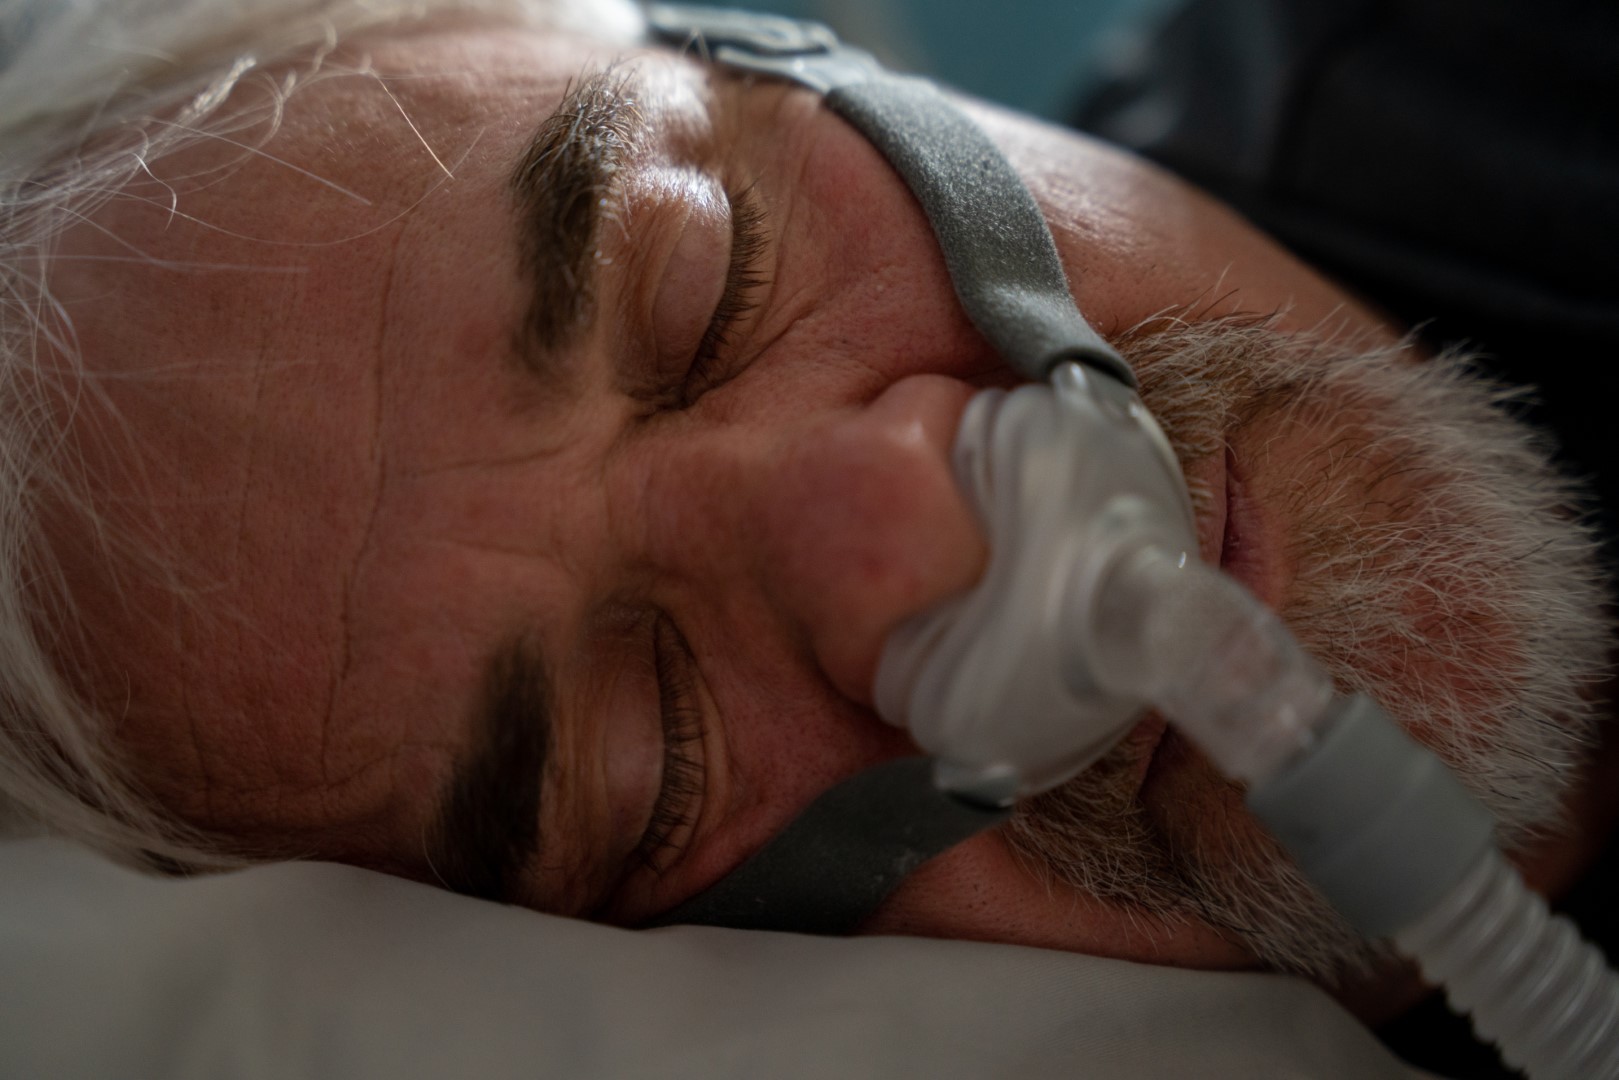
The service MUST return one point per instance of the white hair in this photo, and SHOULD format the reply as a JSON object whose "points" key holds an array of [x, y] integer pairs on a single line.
{"points": [[92, 92]]}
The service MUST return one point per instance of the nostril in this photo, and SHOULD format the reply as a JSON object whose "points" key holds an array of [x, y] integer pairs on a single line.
{"points": [[866, 525]]}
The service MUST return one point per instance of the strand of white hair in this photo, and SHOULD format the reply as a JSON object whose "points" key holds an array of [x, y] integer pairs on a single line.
{"points": [[92, 92]]}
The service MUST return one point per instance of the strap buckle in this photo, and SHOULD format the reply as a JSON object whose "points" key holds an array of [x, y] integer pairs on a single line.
{"points": [[802, 51]]}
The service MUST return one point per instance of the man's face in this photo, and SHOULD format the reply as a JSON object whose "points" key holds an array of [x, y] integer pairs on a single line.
{"points": [[545, 546]]}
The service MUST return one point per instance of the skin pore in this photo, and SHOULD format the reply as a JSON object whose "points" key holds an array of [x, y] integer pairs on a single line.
{"points": [[321, 391]]}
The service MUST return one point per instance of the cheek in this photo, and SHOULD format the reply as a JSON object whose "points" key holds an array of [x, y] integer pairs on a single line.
{"points": [[784, 735], [883, 283]]}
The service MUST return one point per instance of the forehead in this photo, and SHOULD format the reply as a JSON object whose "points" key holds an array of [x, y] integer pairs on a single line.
{"points": [[290, 332]]}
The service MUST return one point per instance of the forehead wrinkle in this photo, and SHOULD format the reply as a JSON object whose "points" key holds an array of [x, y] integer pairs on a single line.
{"points": [[564, 187], [355, 555]]}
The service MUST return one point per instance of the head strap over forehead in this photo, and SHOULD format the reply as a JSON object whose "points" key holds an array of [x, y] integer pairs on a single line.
{"points": [[1002, 259], [829, 869]]}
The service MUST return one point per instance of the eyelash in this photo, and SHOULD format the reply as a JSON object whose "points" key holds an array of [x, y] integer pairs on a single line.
{"points": [[681, 789], [738, 299]]}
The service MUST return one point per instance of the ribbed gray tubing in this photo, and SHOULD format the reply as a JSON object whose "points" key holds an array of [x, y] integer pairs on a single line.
{"points": [[1002, 259], [1531, 984]]}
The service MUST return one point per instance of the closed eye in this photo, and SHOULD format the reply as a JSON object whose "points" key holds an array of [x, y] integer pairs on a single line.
{"points": [[684, 775], [743, 280]]}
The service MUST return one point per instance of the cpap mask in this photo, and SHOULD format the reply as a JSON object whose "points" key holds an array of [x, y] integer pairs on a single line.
{"points": [[1094, 608]]}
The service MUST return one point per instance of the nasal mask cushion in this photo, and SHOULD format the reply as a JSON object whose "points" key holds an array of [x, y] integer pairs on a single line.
{"points": [[829, 869]]}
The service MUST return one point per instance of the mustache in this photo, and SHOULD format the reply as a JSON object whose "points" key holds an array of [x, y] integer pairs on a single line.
{"points": [[1439, 568]]}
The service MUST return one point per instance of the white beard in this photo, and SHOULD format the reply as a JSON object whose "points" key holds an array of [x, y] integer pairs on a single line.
{"points": [[1469, 605]]}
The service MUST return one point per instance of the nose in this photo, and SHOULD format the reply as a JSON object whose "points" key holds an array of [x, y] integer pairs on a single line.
{"points": [[863, 524]]}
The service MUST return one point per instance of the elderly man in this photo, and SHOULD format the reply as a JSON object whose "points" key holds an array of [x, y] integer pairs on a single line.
{"points": [[495, 454]]}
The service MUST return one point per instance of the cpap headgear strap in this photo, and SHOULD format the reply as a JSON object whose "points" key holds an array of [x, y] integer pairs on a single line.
{"points": [[1002, 259], [831, 867]]}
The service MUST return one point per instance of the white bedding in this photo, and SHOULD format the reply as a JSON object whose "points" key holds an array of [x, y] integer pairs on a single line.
{"points": [[314, 970]]}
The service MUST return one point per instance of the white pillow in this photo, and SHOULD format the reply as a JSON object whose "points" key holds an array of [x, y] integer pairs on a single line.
{"points": [[312, 970]]}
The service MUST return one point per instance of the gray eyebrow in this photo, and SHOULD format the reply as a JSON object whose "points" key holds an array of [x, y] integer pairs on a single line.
{"points": [[564, 188], [487, 830]]}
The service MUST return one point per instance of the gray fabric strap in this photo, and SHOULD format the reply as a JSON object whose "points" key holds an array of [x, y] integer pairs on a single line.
{"points": [[1003, 262], [828, 870], [1002, 259]]}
